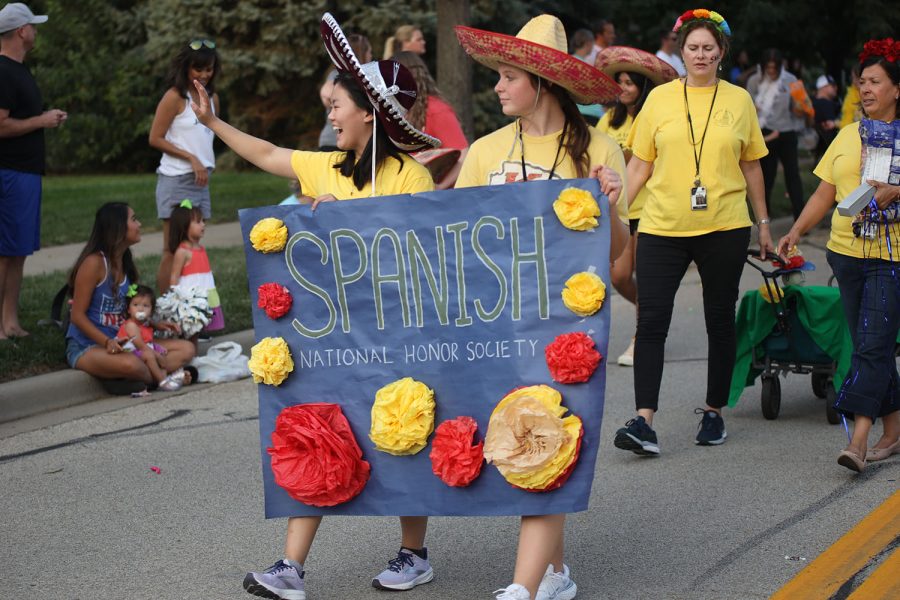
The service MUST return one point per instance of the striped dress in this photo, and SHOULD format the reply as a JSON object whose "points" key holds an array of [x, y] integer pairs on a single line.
{"points": [[197, 273]]}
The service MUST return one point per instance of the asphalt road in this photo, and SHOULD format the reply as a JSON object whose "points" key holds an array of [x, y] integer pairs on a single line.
{"points": [[85, 517]]}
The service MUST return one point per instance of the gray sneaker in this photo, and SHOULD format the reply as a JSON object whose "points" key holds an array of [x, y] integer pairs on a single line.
{"points": [[281, 581], [556, 586], [404, 572]]}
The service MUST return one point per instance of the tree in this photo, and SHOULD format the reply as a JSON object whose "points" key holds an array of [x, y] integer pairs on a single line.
{"points": [[454, 67]]}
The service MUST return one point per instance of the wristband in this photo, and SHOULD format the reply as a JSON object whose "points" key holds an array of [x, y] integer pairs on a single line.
{"points": [[765, 221]]}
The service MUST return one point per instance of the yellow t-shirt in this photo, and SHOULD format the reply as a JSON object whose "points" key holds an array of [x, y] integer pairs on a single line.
{"points": [[840, 166], [493, 160], [660, 135], [620, 136], [317, 176], [851, 109]]}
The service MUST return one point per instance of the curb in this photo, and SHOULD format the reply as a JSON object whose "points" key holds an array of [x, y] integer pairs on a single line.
{"points": [[70, 387]]}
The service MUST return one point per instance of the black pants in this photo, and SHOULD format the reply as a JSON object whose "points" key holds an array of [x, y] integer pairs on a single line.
{"points": [[661, 265], [784, 149]]}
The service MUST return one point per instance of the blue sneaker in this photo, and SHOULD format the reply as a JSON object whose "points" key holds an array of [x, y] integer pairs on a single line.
{"points": [[711, 429], [281, 581], [404, 572], [556, 586], [638, 437]]}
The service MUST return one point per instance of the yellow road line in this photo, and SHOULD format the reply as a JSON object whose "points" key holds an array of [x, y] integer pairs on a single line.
{"points": [[883, 584], [834, 567]]}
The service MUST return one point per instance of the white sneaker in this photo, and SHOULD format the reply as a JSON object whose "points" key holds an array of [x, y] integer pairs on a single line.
{"points": [[626, 359], [513, 591], [556, 586]]}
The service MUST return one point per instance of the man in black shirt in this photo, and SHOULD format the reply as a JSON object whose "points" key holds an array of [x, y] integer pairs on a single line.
{"points": [[22, 123], [828, 113]]}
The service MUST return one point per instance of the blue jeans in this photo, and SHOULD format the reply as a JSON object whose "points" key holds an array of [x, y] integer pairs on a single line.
{"points": [[870, 295]]}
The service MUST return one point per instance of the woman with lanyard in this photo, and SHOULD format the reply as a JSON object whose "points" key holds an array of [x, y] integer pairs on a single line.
{"points": [[696, 144], [637, 73], [539, 85], [863, 254], [368, 108]]}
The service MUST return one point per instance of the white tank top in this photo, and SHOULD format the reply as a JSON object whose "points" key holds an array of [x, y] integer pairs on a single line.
{"points": [[189, 134]]}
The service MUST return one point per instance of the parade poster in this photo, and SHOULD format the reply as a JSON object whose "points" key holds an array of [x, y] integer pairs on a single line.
{"points": [[378, 320]]}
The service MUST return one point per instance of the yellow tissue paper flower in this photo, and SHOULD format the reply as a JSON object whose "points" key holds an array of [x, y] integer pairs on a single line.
{"points": [[270, 361], [402, 417], [584, 293], [269, 235], [529, 442], [764, 292], [577, 209]]}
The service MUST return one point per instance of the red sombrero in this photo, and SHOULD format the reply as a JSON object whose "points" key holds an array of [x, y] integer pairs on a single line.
{"points": [[540, 48], [391, 101], [616, 59]]}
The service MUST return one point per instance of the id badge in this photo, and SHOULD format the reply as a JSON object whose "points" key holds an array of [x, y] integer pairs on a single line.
{"points": [[698, 198]]}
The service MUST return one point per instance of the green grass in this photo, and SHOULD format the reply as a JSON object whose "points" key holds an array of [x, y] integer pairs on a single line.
{"points": [[44, 350], [69, 202]]}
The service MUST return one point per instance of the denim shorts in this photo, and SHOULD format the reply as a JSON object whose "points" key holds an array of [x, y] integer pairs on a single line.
{"points": [[74, 351]]}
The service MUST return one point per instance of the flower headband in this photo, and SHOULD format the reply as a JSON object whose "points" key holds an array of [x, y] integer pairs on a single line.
{"points": [[886, 48], [132, 290], [708, 15], [186, 204]]}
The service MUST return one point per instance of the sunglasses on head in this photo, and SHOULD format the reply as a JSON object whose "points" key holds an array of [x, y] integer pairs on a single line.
{"points": [[197, 44]]}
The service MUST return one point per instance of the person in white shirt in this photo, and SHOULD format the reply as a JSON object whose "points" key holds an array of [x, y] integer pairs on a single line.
{"points": [[668, 51]]}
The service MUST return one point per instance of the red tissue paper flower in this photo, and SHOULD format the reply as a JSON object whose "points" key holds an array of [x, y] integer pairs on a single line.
{"points": [[887, 48], [275, 299], [572, 357], [315, 457], [455, 458]]}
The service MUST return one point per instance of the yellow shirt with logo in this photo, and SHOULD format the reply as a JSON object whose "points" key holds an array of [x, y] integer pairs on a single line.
{"points": [[840, 166], [620, 135], [497, 158], [317, 176], [660, 135]]}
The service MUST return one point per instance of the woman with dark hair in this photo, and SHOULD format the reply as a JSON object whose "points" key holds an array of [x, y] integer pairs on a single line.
{"points": [[187, 146], [368, 107], [99, 283], [637, 73], [433, 114], [863, 253], [538, 85], [696, 144], [363, 49]]}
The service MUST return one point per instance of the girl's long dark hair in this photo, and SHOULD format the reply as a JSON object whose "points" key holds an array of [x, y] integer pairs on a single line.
{"points": [[187, 58], [179, 222], [110, 229], [361, 170], [578, 135], [620, 111]]}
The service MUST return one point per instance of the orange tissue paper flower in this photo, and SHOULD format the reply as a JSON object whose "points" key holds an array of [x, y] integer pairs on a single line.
{"points": [[315, 457], [455, 457], [572, 357], [530, 442]]}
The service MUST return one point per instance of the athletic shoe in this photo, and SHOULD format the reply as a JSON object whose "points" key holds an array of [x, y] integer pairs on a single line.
{"points": [[626, 359], [281, 581], [404, 572], [638, 437], [556, 586], [513, 591], [711, 429]]}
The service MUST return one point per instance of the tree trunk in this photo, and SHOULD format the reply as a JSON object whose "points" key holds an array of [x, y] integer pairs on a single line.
{"points": [[454, 67]]}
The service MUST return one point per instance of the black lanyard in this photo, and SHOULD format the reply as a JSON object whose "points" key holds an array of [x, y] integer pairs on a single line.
{"points": [[562, 137], [691, 128]]}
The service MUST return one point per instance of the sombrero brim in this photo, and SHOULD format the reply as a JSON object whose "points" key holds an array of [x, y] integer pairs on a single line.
{"points": [[586, 84], [617, 59], [390, 113]]}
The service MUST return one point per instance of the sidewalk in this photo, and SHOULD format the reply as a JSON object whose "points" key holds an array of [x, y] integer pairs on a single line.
{"points": [[68, 388]]}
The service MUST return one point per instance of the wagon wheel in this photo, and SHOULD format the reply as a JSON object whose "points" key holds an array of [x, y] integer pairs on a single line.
{"points": [[771, 396], [819, 381], [833, 416]]}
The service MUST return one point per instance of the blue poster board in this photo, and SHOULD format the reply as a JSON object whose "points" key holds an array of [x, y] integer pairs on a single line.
{"points": [[469, 311]]}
